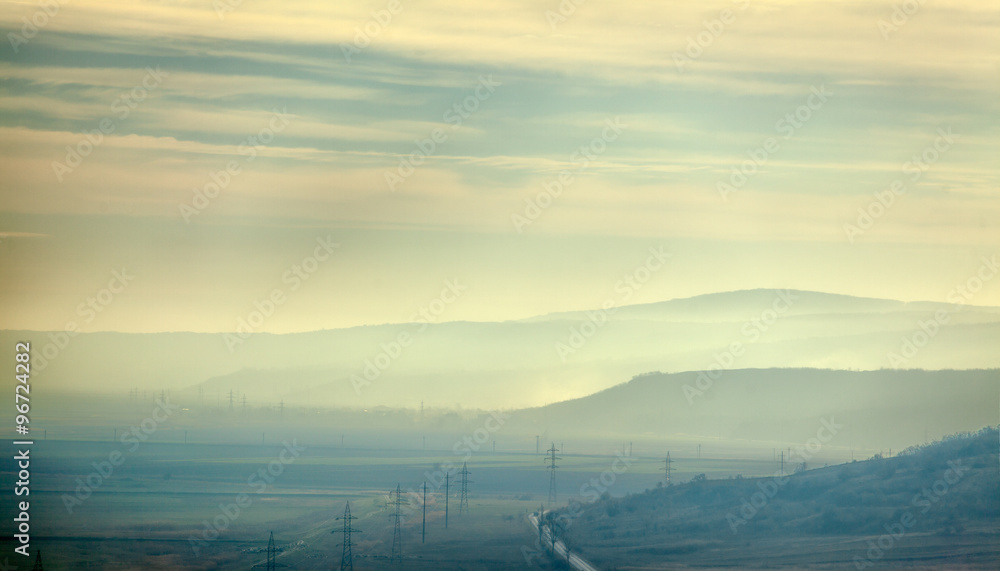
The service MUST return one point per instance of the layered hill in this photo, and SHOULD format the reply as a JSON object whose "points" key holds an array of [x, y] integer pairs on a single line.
{"points": [[758, 407], [529, 362]]}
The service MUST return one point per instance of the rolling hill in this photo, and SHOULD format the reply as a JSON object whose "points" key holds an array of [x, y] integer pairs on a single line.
{"points": [[525, 363], [935, 506]]}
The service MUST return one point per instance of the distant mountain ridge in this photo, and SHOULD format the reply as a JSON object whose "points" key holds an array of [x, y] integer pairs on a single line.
{"points": [[806, 302], [527, 362]]}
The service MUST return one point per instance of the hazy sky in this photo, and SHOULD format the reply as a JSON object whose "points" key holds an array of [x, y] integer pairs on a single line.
{"points": [[666, 98]]}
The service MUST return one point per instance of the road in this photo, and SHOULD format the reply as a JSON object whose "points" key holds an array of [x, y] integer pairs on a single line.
{"points": [[575, 561]]}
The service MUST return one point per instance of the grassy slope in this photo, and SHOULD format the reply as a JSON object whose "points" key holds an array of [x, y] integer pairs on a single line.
{"points": [[816, 519]]}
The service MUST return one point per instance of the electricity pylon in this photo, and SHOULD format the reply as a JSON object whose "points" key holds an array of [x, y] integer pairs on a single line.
{"points": [[347, 558], [271, 553], [272, 556], [551, 459], [668, 468], [463, 502], [397, 534]]}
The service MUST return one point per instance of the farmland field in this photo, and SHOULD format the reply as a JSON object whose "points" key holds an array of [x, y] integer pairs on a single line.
{"points": [[162, 495]]}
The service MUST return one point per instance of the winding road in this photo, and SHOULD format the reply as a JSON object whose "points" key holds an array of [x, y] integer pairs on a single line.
{"points": [[574, 560]]}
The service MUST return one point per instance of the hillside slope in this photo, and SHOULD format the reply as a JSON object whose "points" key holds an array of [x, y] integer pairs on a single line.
{"points": [[878, 408], [933, 506]]}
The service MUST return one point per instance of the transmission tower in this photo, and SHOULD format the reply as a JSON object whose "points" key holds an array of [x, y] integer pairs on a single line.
{"points": [[552, 472], [230, 400], [668, 467], [347, 558], [397, 534], [463, 502], [271, 553], [272, 557], [244, 402], [38, 561]]}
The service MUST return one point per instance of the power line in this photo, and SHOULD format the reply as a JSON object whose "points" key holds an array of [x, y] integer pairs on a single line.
{"points": [[272, 556], [271, 553], [397, 533], [463, 502], [347, 558], [551, 459]]}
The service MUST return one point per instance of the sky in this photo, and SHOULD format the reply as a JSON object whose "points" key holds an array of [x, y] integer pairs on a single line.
{"points": [[174, 165]]}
